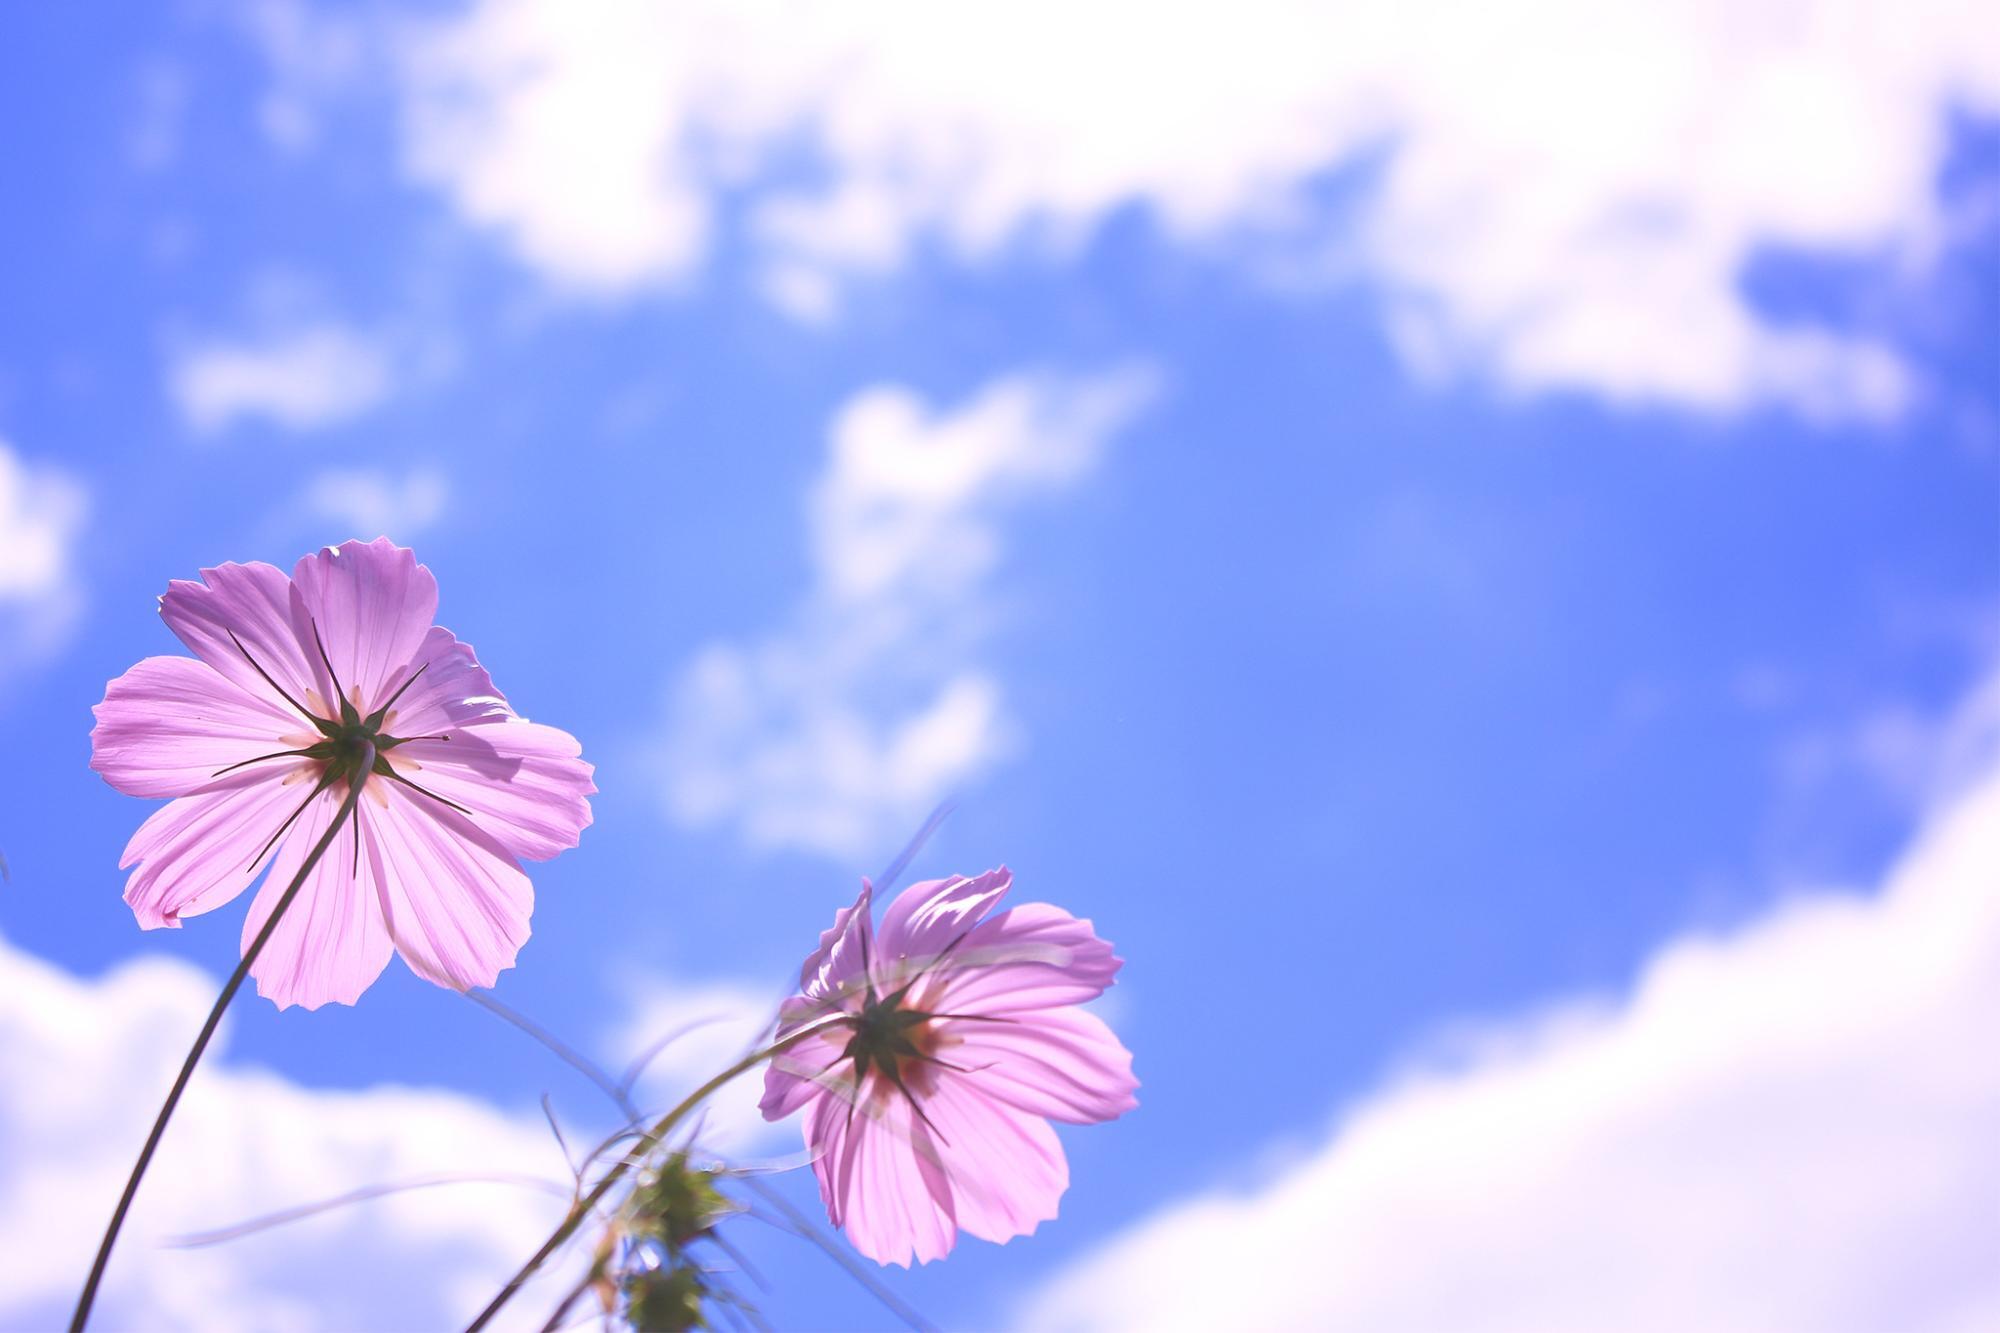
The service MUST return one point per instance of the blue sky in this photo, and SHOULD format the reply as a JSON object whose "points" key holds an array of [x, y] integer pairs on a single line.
{"points": [[1404, 541]]}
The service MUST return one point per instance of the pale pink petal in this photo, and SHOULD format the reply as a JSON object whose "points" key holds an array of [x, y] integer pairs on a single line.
{"points": [[170, 723], [372, 605], [525, 783], [331, 943], [793, 1080], [796, 1075], [447, 689], [837, 970], [1028, 957], [1064, 1064], [198, 852], [254, 603], [1007, 1168], [457, 902], [926, 918], [881, 1179]]}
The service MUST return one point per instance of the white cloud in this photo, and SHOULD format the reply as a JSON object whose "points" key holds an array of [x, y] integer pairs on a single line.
{"points": [[42, 509], [1566, 197], [1788, 1127], [81, 1063], [839, 731], [302, 378], [372, 502]]}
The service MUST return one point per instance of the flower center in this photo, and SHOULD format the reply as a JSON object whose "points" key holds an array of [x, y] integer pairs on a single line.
{"points": [[347, 747], [892, 1039], [346, 740]]}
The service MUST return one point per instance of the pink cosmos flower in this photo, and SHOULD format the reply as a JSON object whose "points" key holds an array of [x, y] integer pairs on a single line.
{"points": [[257, 739], [950, 1042]]}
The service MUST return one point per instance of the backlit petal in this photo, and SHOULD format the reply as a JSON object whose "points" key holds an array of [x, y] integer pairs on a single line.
{"points": [[804, 1071], [1061, 1063], [447, 689], [331, 943], [254, 603], [167, 725], [927, 917], [1028, 957], [372, 605], [1006, 1166], [198, 852], [457, 902], [525, 783], [837, 970], [881, 1179]]}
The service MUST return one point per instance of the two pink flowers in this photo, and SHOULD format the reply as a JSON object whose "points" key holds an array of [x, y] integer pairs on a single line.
{"points": [[949, 1041]]}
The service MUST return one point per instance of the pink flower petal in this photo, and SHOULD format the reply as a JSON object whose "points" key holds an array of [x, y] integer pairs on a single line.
{"points": [[797, 1075], [167, 725], [881, 1179], [372, 604], [448, 689], [200, 851], [457, 902], [331, 943], [837, 970], [253, 602], [1006, 1166], [1064, 1064], [927, 917], [524, 782], [1028, 957]]}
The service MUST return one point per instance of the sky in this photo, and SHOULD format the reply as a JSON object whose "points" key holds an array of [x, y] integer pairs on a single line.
{"points": [[1466, 539]]}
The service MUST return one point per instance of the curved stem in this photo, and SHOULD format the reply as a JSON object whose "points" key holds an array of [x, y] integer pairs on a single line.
{"points": [[229, 989], [665, 1126]]}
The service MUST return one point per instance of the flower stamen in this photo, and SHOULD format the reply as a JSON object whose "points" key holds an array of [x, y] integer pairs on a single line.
{"points": [[391, 742], [349, 715], [383, 768], [321, 723], [307, 753], [380, 716]]}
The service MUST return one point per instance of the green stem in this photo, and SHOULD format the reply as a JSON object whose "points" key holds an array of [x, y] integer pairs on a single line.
{"points": [[583, 1207], [229, 989]]}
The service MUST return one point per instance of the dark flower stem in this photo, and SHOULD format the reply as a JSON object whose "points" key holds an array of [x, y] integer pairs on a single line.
{"points": [[583, 1207], [229, 989]]}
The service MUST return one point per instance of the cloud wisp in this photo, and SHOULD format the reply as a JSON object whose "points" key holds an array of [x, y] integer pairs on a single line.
{"points": [[369, 502], [1789, 1126], [1556, 195], [839, 730], [301, 378], [42, 511]]}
